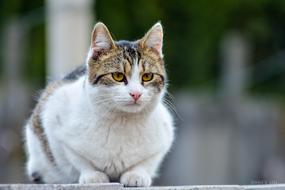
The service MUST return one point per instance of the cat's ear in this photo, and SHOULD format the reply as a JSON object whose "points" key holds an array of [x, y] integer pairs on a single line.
{"points": [[153, 39], [101, 39]]}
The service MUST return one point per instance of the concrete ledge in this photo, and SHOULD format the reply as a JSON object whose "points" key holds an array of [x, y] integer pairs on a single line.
{"points": [[107, 186], [202, 187], [117, 186]]}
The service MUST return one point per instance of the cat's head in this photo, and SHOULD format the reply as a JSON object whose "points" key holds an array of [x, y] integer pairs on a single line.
{"points": [[126, 75]]}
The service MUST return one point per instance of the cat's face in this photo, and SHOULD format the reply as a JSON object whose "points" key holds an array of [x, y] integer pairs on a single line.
{"points": [[126, 76]]}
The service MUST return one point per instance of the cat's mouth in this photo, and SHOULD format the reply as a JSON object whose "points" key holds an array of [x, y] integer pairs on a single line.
{"points": [[133, 104], [132, 107]]}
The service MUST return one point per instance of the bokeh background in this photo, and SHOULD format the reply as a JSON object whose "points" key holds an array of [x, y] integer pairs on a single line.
{"points": [[226, 66]]}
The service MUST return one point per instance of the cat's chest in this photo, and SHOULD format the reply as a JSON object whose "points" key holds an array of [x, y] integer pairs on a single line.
{"points": [[121, 138], [116, 146]]}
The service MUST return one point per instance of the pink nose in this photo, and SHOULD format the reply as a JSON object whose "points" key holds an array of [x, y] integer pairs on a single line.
{"points": [[135, 95]]}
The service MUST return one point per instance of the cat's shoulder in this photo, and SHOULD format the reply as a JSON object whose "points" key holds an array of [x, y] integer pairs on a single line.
{"points": [[76, 73], [69, 78], [56, 89]]}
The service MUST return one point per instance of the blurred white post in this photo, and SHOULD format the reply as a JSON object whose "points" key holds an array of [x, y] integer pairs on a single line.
{"points": [[14, 89], [235, 55], [14, 98], [69, 24]]}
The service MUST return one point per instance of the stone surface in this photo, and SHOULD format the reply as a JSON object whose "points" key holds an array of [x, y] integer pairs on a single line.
{"points": [[110, 186], [265, 187], [116, 186], [202, 187]]}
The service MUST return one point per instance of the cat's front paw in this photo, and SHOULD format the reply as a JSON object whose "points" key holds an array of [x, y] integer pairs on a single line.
{"points": [[93, 177], [136, 179]]}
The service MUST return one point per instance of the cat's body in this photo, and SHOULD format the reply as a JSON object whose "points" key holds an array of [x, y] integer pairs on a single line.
{"points": [[95, 126]]}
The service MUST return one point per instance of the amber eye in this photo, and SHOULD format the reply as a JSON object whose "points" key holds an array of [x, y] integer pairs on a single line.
{"points": [[118, 76], [147, 77]]}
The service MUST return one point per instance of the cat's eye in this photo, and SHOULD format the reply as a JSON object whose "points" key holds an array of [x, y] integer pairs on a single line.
{"points": [[147, 77], [118, 76]]}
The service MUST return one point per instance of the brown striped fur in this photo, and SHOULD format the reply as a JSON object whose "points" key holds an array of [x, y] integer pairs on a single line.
{"points": [[35, 122]]}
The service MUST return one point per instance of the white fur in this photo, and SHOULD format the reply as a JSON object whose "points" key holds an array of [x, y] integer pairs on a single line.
{"points": [[37, 160], [97, 134]]}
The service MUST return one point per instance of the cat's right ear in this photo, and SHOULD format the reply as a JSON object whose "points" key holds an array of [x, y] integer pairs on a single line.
{"points": [[101, 39]]}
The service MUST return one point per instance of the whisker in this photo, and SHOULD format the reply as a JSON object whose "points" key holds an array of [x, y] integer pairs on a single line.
{"points": [[172, 107]]}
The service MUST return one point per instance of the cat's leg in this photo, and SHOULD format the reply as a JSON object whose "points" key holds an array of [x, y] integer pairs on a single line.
{"points": [[38, 167], [140, 175], [88, 173]]}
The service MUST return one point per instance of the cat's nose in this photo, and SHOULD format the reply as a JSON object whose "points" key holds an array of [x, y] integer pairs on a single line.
{"points": [[135, 95]]}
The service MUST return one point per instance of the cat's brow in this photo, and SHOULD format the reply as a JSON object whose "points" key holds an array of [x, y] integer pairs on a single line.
{"points": [[148, 65], [127, 67]]}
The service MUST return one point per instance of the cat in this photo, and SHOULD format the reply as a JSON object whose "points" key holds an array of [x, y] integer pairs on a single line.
{"points": [[106, 120]]}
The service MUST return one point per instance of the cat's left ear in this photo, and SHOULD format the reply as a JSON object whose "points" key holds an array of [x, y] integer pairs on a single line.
{"points": [[101, 39], [153, 39]]}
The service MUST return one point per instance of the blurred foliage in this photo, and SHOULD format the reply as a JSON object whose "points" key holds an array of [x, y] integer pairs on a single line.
{"points": [[193, 32], [31, 15]]}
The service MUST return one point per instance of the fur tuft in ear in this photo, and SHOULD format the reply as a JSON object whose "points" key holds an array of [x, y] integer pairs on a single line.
{"points": [[154, 38], [101, 39]]}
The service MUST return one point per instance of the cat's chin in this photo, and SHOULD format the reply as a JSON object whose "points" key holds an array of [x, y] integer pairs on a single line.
{"points": [[131, 108]]}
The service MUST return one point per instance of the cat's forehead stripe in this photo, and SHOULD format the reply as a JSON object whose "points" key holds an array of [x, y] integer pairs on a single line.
{"points": [[129, 50]]}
